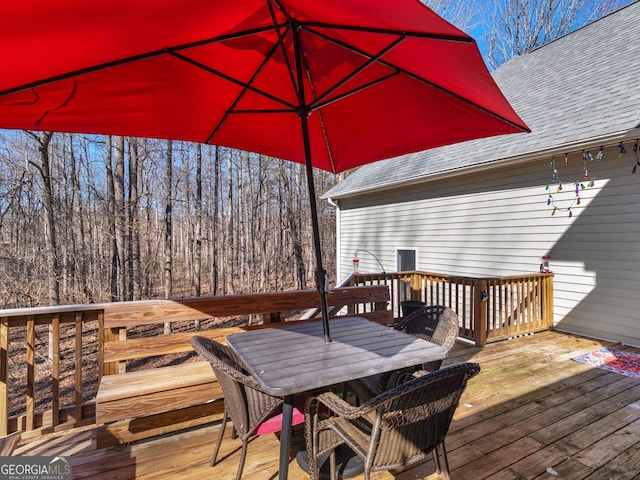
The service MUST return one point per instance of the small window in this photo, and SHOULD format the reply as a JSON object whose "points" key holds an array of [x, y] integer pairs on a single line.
{"points": [[405, 260]]}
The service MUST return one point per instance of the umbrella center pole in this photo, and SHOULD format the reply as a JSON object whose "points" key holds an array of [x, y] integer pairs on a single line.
{"points": [[321, 274], [303, 113], [322, 281]]}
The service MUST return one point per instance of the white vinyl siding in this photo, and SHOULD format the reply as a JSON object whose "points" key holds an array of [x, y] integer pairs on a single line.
{"points": [[497, 222]]}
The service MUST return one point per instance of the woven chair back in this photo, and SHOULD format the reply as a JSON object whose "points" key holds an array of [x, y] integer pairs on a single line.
{"points": [[247, 405]]}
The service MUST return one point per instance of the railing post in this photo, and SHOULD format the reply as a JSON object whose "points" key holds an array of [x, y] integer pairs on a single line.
{"points": [[480, 325], [415, 284], [548, 300], [106, 335]]}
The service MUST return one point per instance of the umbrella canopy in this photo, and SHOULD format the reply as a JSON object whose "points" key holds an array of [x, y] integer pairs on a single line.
{"points": [[332, 84]]}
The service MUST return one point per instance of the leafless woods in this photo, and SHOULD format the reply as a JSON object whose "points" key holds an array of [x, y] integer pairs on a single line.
{"points": [[92, 219]]}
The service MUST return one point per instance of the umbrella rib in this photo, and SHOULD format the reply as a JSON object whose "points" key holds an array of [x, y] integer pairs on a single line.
{"points": [[134, 58], [462, 38], [81, 71], [245, 85], [459, 97], [231, 79], [454, 38], [409, 74], [371, 59], [364, 86], [250, 111], [323, 126], [277, 28], [223, 38]]}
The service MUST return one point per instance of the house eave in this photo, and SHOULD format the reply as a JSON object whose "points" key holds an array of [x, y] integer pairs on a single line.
{"points": [[569, 147]]}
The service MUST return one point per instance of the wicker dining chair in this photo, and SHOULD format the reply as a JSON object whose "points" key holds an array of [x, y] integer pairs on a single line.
{"points": [[395, 429], [252, 411], [435, 323]]}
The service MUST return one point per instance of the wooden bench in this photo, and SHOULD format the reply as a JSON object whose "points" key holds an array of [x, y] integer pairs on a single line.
{"points": [[142, 403]]}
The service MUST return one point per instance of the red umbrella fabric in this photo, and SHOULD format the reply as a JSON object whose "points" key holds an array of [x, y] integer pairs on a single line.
{"points": [[334, 84]]}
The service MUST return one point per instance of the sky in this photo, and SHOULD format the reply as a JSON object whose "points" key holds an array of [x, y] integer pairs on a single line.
{"points": [[478, 35]]}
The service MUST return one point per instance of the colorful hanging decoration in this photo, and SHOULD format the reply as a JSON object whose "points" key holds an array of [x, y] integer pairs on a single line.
{"points": [[578, 187], [623, 150], [586, 182], [635, 152]]}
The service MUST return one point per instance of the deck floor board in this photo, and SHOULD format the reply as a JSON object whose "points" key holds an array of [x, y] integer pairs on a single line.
{"points": [[530, 409]]}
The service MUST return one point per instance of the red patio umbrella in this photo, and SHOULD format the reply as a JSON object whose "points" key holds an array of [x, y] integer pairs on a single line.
{"points": [[333, 84]]}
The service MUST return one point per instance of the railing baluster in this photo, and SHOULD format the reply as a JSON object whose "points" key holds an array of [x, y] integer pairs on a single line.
{"points": [[531, 295], [31, 372], [467, 318], [55, 370], [78, 365], [4, 376], [514, 306]]}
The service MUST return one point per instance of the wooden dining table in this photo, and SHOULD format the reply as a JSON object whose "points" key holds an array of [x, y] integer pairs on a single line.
{"points": [[295, 358]]}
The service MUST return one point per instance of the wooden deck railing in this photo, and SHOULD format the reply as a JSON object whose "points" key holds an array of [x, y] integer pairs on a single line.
{"points": [[32, 361], [489, 309], [34, 365]]}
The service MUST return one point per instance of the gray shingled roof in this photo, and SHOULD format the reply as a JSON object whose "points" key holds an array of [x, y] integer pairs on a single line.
{"points": [[583, 86]]}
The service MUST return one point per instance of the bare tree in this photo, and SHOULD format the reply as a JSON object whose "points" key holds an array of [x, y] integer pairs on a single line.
{"points": [[43, 139], [215, 240], [231, 228], [133, 216], [168, 223], [75, 251], [51, 240], [119, 215], [520, 26], [111, 218], [463, 14], [290, 175], [168, 230], [198, 227]]}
